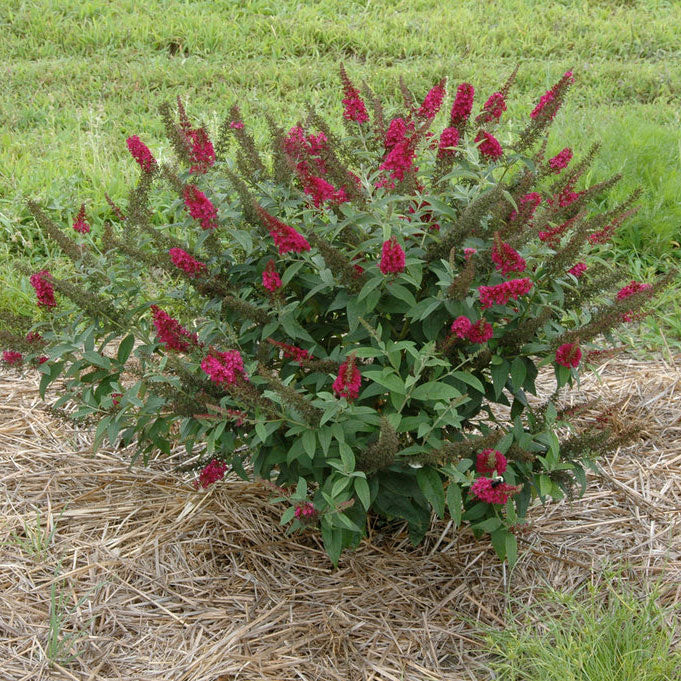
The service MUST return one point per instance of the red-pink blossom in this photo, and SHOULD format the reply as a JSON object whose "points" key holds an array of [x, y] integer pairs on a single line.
{"points": [[270, 277], [236, 125], [632, 288], [480, 332], [354, 108], [224, 367], [546, 105], [12, 357], [397, 132], [140, 152], [507, 259], [211, 473], [201, 151], [320, 190], [578, 269], [305, 511], [489, 461], [285, 237], [449, 140], [398, 162], [492, 109], [432, 102], [392, 257], [116, 398], [291, 351], [527, 207], [560, 160], [349, 380], [552, 235], [200, 207], [182, 260], [80, 224], [43, 288], [566, 197], [493, 491], [500, 294], [569, 355], [171, 333], [489, 146], [468, 253], [461, 326], [462, 106], [34, 337]]}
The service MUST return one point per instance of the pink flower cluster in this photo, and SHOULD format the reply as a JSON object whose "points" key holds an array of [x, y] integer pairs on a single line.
{"points": [[182, 260], [305, 151], [285, 237], [632, 288], [200, 207], [489, 461], [449, 140], [201, 151], [578, 269], [354, 110], [270, 277], [140, 152], [80, 224], [507, 259], [12, 358], [551, 235], [349, 380], [171, 333], [236, 125], [398, 162], [492, 109], [560, 160], [223, 367], [478, 332], [468, 253], [306, 511], [462, 106], [392, 257], [489, 146], [397, 132], [320, 190], [493, 491], [569, 355], [500, 294], [43, 288], [566, 197], [527, 207], [545, 102], [211, 473], [291, 351], [432, 102]]}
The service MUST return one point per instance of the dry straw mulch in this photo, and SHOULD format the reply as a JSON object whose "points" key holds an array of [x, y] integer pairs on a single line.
{"points": [[204, 586]]}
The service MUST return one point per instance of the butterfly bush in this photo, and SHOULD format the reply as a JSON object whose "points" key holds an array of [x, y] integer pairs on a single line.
{"points": [[356, 314]]}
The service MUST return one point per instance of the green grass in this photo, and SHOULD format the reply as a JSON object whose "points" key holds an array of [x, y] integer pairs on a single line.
{"points": [[81, 76], [608, 634]]}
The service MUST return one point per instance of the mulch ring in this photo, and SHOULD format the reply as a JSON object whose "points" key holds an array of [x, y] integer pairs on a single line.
{"points": [[164, 582]]}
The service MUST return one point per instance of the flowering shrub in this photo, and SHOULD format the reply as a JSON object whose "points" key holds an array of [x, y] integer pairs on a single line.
{"points": [[357, 319]]}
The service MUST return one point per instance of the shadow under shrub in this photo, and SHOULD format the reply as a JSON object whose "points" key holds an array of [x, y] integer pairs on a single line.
{"points": [[344, 314]]}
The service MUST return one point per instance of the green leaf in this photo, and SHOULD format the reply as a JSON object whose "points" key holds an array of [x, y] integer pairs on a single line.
{"points": [[347, 457], [333, 541], [369, 287], [511, 549], [388, 378], [454, 502], [340, 486], [363, 494], [435, 390], [518, 373], [403, 293], [430, 482], [125, 348], [287, 515], [488, 525], [499, 541], [244, 239], [310, 443], [261, 431], [499, 376], [471, 380], [346, 522]]}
